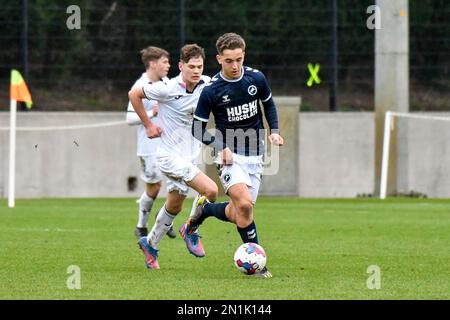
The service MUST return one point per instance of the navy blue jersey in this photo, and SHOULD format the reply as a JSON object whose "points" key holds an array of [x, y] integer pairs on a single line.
{"points": [[236, 106]]}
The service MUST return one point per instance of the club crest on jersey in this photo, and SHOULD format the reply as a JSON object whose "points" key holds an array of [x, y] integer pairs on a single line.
{"points": [[252, 90], [227, 177], [225, 98]]}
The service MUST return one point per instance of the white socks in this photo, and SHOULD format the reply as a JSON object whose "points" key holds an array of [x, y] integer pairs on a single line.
{"points": [[145, 206], [163, 222], [193, 204]]}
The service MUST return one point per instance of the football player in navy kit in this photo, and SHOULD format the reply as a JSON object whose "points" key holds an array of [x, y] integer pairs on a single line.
{"points": [[234, 96]]}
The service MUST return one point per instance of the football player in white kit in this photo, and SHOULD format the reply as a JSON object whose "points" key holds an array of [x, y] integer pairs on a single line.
{"points": [[178, 149], [156, 62]]}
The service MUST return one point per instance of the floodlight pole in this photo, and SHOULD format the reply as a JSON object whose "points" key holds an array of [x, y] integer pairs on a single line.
{"points": [[181, 13], [391, 89], [334, 55]]}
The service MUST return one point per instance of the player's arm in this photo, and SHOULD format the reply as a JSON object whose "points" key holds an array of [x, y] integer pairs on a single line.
{"points": [[132, 117], [200, 133], [270, 112], [201, 116], [135, 96]]}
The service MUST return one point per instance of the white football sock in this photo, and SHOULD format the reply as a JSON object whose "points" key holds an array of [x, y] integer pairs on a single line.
{"points": [[145, 206], [193, 204], [163, 223]]}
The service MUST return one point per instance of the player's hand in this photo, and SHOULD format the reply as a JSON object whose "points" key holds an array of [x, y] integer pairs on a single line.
{"points": [[155, 109], [276, 139], [227, 157], [153, 131]]}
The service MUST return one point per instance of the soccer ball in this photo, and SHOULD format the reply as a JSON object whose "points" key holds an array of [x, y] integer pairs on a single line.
{"points": [[250, 258]]}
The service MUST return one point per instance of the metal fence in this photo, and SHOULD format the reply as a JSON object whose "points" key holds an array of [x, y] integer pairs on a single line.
{"points": [[92, 67]]}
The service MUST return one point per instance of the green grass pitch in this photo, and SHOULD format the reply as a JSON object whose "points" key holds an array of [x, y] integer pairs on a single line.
{"points": [[317, 249]]}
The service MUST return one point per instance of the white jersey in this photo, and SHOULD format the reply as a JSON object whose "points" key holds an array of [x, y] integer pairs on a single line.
{"points": [[176, 111], [145, 146]]}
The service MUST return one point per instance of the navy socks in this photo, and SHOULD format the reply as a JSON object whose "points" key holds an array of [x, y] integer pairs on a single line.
{"points": [[213, 209], [248, 234]]}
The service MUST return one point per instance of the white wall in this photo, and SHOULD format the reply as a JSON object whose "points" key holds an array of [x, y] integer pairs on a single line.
{"points": [[336, 154], [335, 157]]}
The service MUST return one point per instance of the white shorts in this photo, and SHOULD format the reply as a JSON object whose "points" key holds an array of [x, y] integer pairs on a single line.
{"points": [[178, 171], [150, 172], [244, 169]]}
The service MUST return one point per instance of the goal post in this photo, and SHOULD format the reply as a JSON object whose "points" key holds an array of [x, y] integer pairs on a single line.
{"points": [[385, 154], [389, 121]]}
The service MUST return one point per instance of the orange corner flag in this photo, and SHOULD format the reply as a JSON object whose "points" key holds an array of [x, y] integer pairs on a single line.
{"points": [[18, 90]]}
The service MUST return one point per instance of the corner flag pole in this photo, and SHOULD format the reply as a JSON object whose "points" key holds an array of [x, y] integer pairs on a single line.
{"points": [[12, 153], [18, 92]]}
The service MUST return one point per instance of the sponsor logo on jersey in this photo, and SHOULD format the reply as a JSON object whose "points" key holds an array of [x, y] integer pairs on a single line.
{"points": [[242, 112], [225, 98]]}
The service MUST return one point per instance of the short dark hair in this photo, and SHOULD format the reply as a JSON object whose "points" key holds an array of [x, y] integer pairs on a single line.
{"points": [[152, 54], [230, 41], [190, 51]]}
